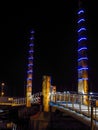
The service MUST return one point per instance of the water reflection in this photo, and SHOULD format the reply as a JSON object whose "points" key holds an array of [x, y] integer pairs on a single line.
{"points": [[7, 125], [5, 122]]}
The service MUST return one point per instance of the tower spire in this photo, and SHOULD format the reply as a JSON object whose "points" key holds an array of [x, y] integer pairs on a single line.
{"points": [[82, 52], [30, 71]]}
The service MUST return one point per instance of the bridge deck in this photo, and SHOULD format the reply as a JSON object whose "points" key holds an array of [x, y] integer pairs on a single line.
{"points": [[82, 114]]}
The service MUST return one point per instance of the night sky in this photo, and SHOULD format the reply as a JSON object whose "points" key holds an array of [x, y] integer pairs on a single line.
{"points": [[55, 44]]}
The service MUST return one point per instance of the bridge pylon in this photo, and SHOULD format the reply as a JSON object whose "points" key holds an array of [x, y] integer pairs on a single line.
{"points": [[46, 84], [82, 53], [30, 71]]}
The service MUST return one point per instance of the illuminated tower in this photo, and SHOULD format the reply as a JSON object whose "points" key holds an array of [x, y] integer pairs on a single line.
{"points": [[82, 52], [46, 84], [30, 71]]}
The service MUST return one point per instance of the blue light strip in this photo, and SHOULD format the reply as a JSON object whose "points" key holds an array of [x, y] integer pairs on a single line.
{"points": [[31, 51], [82, 79], [30, 71], [83, 38], [31, 38], [81, 20], [81, 29], [83, 58], [31, 45], [32, 31], [30, 65], [30, 58], [85, 68], [82, 48], [29, 78], [81, 11]]}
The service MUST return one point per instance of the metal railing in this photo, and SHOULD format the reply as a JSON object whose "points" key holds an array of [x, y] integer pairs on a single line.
{"points": [[16, 101], [81, 103]]}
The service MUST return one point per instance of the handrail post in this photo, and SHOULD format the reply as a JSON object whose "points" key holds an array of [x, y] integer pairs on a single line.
{"points": [[72, 101], [88, 105], [81, 96], [91, 115]]}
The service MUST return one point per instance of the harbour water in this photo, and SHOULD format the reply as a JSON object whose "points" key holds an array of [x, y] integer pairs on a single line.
{"points": [[16, 118], [10, 125], [26, 119]]}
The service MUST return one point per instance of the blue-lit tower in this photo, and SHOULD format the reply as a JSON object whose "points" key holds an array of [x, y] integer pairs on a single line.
{"points": [[30, 71], [82, 51]]}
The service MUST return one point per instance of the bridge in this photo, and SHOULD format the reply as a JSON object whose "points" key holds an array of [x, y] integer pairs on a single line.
{"points": [[71, 103], [80, 105], [20, 101]]}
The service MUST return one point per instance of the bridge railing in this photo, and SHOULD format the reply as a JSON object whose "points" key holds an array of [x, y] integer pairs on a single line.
{"points": [[73, 97], [82, 103], [35, 99], [14, 101], [19, 101]]}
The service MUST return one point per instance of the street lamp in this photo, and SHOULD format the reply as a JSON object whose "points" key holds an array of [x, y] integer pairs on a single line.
{"points": [[2, 89]]}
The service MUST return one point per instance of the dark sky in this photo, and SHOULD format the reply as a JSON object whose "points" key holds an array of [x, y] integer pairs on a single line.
{"points": [[55, 45]]}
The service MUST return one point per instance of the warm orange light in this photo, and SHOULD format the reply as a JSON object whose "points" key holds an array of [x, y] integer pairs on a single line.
{"points": [[46, 91]]}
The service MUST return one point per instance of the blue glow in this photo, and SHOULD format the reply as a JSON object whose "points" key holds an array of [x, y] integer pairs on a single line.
{"points": [[30, 58], [81, 29], [82, 79], [83, 38], [31, 38], [31, 44], [81, 11], [83, 58], [29, 78], [85, 68], [82, 48], [31, 51], [81, 20], [30, 71], [30, 64], [32, 31]]}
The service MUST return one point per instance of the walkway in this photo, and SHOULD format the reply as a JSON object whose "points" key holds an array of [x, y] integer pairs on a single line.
{"points": [[73, 105]]}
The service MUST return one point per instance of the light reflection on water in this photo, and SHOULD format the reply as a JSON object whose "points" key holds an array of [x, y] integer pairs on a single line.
{"points": [[7, 123]]}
